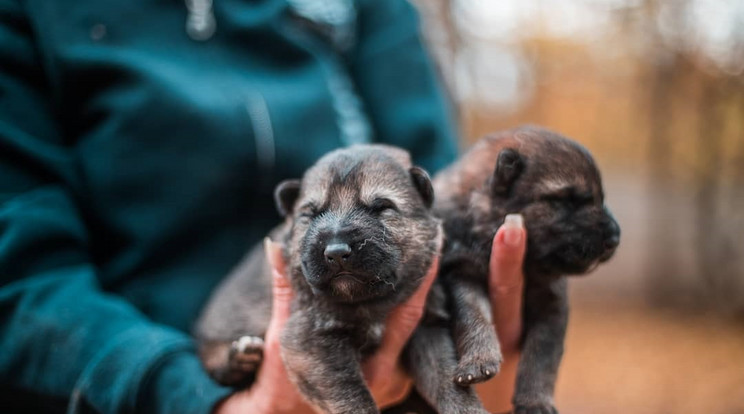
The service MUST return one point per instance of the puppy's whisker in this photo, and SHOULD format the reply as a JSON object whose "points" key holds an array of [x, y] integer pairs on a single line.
{"points": [[364, 243], [389, 283]]}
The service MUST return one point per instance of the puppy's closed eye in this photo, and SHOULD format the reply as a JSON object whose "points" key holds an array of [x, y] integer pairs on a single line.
{"points": [[569, 196], [381, 205], [309, 211]]}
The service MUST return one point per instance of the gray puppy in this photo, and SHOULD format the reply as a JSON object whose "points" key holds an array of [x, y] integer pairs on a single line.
{"points": [[554, 183], [359, 237]]}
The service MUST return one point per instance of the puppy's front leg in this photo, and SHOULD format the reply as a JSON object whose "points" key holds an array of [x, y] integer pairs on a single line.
{"points": [[478, 346], [431, 360], [546, 318], [325, 368]]}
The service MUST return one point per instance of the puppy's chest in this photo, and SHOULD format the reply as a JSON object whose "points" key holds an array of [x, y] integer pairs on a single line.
{"points": [[466, 258], [371, 338], [364, 335]]}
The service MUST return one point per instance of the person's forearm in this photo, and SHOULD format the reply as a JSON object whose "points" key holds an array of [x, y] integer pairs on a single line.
{"points": [[65, 339]]}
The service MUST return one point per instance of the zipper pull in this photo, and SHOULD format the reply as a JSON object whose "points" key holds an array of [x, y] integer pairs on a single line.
{"points": [[200, 22]]}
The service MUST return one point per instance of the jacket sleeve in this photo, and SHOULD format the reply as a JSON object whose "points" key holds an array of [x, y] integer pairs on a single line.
{"points": [[62, 338], [399, 84]]}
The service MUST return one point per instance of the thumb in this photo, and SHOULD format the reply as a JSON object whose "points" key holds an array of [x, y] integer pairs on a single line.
{"points": [[272, 390], [272, 368], [506, 280], [281, 288]]}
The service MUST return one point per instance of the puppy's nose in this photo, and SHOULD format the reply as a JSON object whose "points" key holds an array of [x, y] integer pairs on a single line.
{"points": [[612, 234], [612, 242], [337, 252]]}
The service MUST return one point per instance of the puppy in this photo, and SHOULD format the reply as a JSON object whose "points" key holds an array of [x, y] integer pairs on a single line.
{"points": [[359, 237], [554, 184]]}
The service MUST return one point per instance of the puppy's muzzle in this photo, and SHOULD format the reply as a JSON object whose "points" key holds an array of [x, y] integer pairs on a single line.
{"points": [[342, 252], [339, 250]]}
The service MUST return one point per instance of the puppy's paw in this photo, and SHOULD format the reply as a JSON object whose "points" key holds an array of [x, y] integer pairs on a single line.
{"points": [[477, 369], [246, 353], [540, 408]]}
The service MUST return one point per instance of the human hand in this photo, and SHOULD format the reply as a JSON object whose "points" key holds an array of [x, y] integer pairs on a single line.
{"points": [[506, 287], [273, 392], [387, 380]]}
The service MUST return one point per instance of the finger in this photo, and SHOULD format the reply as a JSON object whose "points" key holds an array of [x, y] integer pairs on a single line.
{"points": [[400, 324], [506, 280], [281, 288], [272, 373]]}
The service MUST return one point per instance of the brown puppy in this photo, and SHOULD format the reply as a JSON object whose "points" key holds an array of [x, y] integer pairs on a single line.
{"points": [[359, 237], [554, 183]]}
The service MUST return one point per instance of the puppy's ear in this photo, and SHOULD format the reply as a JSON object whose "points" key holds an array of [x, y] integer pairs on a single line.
{"points": [[286, 195], [508, 168], [422, 182]]}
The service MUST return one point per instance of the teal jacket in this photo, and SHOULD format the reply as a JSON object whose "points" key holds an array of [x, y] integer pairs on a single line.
{"points": [[137, 163]]}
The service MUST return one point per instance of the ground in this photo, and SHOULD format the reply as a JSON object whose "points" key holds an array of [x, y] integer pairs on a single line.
{"points": [[631, 359]]}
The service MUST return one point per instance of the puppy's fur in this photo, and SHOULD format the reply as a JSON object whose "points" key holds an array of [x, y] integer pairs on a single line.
{"points": [[554, 183], [359, 237]]}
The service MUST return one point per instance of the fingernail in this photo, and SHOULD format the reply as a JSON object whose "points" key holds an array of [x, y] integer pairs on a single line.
{"points": [[513, 229]]}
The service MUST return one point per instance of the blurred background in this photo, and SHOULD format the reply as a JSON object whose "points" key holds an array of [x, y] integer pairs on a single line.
{"points": [[655, 89]]}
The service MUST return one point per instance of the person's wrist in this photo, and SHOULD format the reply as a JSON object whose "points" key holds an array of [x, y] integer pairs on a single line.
{"points": [[172, 381]]}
